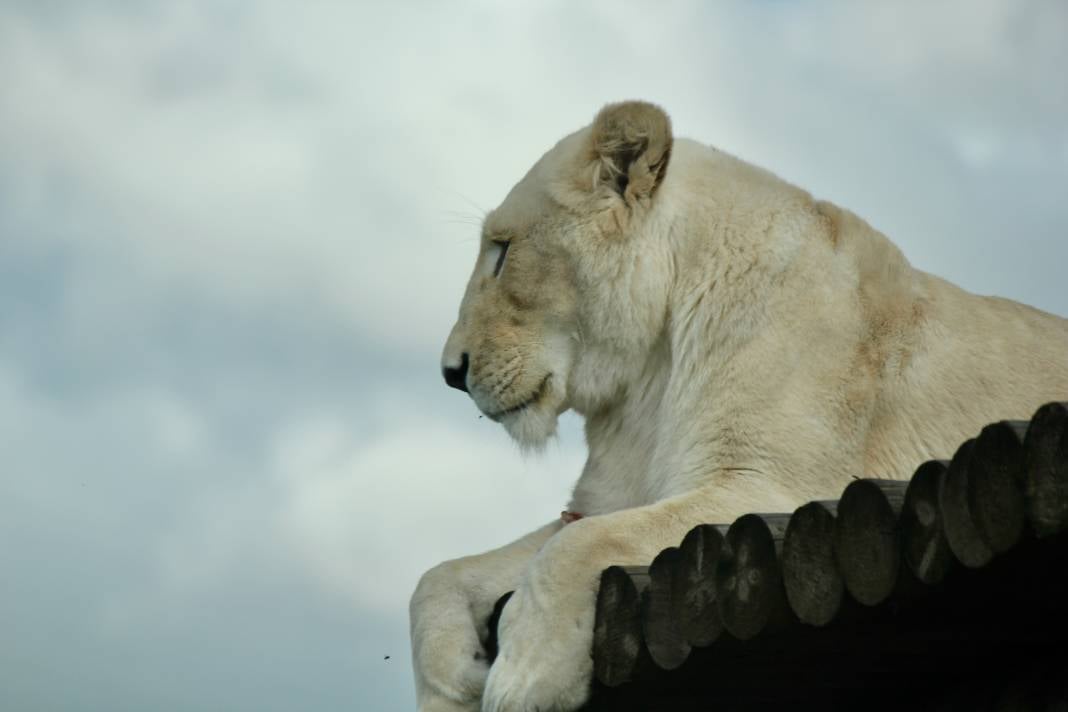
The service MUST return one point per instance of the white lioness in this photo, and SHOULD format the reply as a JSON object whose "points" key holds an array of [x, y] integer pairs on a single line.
{"points": [[734, 345]]}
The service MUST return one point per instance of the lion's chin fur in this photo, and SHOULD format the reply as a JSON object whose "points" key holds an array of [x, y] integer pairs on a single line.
{"points": [[532, 428]]}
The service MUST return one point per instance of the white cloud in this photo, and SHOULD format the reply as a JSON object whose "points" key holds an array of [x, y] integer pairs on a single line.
{"points": [[369, 517]]}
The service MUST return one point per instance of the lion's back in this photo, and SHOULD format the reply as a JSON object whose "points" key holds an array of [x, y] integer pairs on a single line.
{"points": [[979, 359]]}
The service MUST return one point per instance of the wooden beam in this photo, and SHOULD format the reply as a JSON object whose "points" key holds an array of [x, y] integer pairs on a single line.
{"points": [[695, 597], [867, 546], [664, 637], [1046, 482], [995, 484], [964, 538], [923, 540], [749, 587], [617, 630], [810, 573]]}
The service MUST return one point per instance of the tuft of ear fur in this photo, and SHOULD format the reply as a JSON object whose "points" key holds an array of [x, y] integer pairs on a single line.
{"points": [[631, 142]]}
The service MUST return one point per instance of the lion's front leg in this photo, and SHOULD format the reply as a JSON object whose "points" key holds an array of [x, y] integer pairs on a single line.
{"points": [[449, 663], [448, 614], [546, 633], [546, 630]]}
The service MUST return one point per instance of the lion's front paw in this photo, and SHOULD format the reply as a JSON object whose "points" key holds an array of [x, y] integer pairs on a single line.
{"points": [[450, 663], [544, 661], [451, 683]]}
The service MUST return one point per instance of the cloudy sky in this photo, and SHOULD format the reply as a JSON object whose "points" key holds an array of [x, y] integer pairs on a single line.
{"points": [[233, 236]]}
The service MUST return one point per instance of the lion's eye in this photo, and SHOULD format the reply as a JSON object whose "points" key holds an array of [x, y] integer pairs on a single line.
{"points": [[503, 244]]}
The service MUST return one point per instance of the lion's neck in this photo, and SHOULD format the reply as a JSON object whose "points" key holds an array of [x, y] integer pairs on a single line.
{"points": [[653, 438], [625, 438]]}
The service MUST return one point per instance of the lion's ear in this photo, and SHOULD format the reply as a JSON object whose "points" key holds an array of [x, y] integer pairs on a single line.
{"points": [[631, 142]]}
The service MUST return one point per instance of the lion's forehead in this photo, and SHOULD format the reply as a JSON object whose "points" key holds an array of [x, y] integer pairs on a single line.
{"points": [[532, 200], [526, 205]]}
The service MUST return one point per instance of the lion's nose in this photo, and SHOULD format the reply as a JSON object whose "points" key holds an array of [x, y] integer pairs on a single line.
{"points": [[457, 376]]}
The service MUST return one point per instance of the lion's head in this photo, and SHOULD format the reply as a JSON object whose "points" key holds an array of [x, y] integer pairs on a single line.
{"points": [[569, 290]]}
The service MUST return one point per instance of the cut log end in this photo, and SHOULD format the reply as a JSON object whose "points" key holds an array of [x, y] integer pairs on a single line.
{"points": [[866, 542], [995, 484], [695, 595], [617, 633], [810, 575], [748, 579], [1046, 482], [924, 542], [964, 537], [664, 638]]}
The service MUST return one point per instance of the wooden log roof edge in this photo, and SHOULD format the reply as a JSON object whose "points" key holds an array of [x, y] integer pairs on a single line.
{"points": [[881, 540]]}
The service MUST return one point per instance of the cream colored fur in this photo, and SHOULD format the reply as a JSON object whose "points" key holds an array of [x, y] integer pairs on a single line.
{"points": [[734, 345]]}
